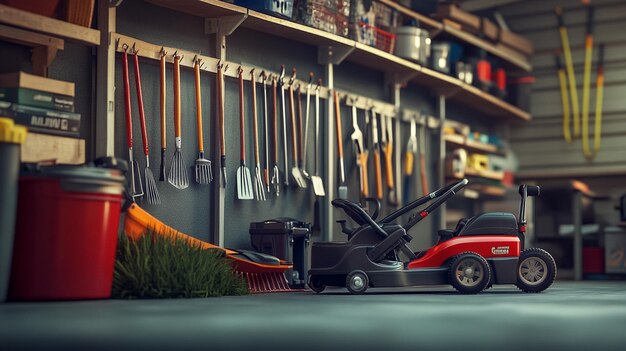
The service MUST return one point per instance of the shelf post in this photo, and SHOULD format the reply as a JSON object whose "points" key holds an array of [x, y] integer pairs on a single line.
{"points": [[221, 28], [440, 160], [104, 131], [577, 215], [328, 149], [397, 148]]}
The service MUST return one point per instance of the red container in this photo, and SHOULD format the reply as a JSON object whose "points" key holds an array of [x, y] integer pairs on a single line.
{"points": [[66, 233], [593, 260]]}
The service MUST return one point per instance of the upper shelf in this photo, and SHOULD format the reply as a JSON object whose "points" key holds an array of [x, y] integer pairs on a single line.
{"points": [[368, 56], [24, 19], [511, 58]]}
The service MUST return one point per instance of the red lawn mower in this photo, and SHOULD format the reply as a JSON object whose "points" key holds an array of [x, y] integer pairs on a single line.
{"points": [[481, 251]]}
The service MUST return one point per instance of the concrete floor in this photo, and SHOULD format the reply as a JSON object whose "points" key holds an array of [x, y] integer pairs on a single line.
{"points": [[568, 316]]}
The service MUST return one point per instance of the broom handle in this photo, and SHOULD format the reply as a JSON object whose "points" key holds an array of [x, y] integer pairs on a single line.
{"points": [[127, 110], [338, 126], [254, 118], [196, 68], [142, 116]]}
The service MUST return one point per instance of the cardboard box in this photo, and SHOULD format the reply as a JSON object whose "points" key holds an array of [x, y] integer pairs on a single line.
{"points": [[615, 252], [489, 29], [469, 22], [516, 42]]}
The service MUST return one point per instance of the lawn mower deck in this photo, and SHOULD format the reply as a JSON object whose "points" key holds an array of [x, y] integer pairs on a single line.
{"points": [[481, 251]]}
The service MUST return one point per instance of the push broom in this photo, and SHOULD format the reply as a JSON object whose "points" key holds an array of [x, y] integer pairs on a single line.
{"points": [[260, 277]]}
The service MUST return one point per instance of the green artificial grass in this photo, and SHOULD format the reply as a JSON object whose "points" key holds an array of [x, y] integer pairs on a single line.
{"points": [[156, 266]]}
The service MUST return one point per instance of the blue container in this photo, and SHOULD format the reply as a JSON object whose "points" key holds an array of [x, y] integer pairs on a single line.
{"points": [[278, 8]]}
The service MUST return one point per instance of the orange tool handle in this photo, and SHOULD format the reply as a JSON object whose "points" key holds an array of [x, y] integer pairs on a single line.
{"points": [[242, 133], [379, 175], [196, 68], [142, 115], [423, 177], [255, 126], [127, 110], [220, 110], [365, 186], [177, 131], [388, 150], [162, 103], [338, 125], [408, 162]]}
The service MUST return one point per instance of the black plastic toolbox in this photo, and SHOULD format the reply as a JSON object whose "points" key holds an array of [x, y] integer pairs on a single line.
{"points": [[288, 239]]}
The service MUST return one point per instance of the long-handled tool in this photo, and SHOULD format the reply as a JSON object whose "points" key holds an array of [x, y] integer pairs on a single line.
{"points": [[151, 191], [262, 273], [266, 177], [244, 182], [135, 177], [597, 130], [281, 86], [388, 151], [570, 70], [409, 161], [163, 109], [178, 176], [220, 121], [316, 180], [204, 171], [587, 82], [422, 153], [376, 150], [295, 170], [567, 134], [276, 173], [259, 191], [359, 151], [342, 190]]}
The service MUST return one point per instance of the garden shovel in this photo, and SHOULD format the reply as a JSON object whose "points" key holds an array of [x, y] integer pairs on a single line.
{"points": [[204, 171], [136, 187], [316, 181], [259, 191], [295, 170], [178, 176]]}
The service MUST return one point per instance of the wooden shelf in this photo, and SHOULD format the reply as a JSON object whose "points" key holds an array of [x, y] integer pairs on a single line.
{"points": [[492, 175], [401, 69], [456, 140], [203, 8], [294, 31], [33, 22], [511, 58]]}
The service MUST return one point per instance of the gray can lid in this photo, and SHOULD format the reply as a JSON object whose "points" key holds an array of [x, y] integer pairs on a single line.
{"points": [[410, 30], [75, 172]]}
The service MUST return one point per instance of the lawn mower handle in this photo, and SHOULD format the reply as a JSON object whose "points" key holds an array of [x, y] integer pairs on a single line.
{"points": [[413, 205], [438, 202]]}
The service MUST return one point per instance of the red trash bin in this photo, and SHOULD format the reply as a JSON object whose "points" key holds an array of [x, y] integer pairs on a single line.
{"points": [[66, 233]]}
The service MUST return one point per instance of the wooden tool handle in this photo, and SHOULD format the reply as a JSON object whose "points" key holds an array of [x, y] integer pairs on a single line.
{"points": [[142, 116], [255, 127], [177, 131], [162, 103], [378, 174], [242, 118], [293, 124], [196, 68], [220, 110], [423, 177], [275, 124], [338, 125], [389, 165], [365, 186], [127, 110], [408, 163]]}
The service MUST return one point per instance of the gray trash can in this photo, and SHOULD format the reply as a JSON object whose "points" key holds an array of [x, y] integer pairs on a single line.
{"points": [[11, 138]]}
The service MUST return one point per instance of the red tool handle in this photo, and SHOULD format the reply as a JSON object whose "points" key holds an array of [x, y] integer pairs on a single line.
{"points": [[196, 68], [242, 133], [127, 110], [142, 116], [177, 132]]}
